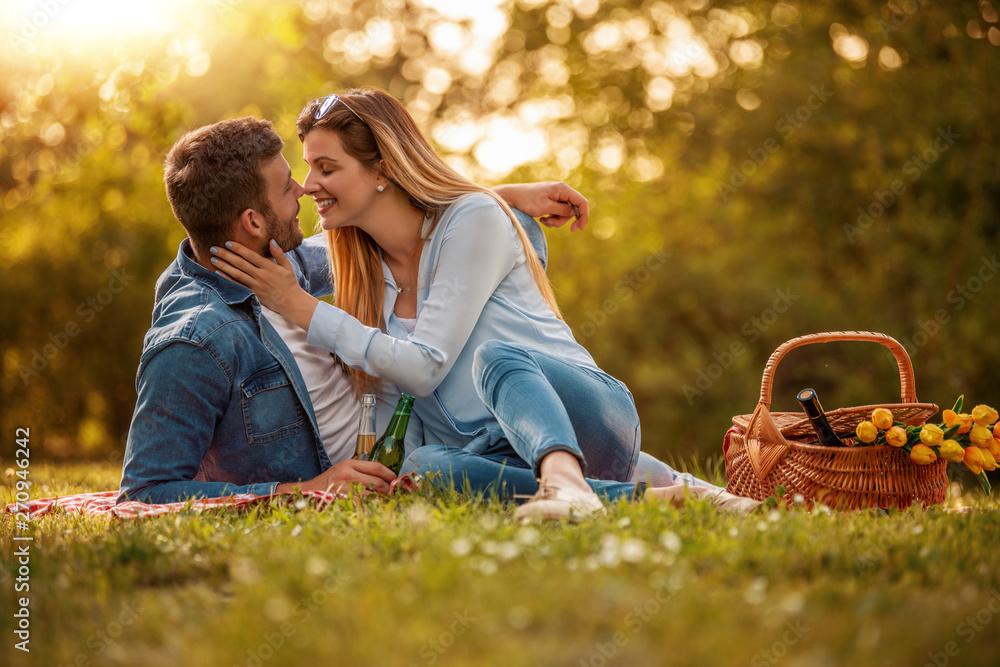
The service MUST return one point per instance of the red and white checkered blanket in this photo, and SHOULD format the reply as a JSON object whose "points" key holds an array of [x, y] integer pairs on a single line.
{"points": [[102, 503]]}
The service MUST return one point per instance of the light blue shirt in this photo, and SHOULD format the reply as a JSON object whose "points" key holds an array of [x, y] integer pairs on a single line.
{"points": [[475, 285]]}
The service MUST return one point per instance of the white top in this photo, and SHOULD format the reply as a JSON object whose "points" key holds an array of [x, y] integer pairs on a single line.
{"points": [[409, 323], [337, 410]]}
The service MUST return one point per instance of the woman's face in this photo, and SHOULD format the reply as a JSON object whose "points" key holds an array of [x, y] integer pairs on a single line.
{"points": [[343, 189]]}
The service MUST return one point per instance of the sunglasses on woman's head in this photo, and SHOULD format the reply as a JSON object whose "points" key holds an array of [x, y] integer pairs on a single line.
{"points": [[326, 103]]}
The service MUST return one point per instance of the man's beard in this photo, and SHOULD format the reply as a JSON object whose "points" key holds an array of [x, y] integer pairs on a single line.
{"points": [[286, 234]]}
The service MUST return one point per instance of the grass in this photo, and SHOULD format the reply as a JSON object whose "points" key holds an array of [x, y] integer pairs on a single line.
{"points": [[439, 579]]}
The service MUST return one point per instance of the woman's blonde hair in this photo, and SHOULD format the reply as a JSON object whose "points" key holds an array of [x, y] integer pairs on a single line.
{"points": [[376, 129]]}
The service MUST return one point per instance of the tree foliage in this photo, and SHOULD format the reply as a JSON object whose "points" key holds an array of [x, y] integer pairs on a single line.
{"points": [[757, 171]]}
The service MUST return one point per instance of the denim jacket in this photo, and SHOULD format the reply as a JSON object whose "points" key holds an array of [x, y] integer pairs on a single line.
{"points": [[221, 407]]}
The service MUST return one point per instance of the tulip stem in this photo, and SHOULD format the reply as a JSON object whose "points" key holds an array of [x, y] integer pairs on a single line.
{"points": [[985, 482]]}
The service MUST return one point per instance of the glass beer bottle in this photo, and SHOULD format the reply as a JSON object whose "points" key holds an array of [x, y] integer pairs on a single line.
{"points": [[366, 428], [388, 450]]}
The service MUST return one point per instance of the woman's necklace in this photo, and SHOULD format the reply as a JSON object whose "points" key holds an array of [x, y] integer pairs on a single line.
{"points": [[407, 286], [400, 285]]}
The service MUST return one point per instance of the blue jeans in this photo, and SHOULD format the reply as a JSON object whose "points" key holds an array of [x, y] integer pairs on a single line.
{"points": [[542, 402]]}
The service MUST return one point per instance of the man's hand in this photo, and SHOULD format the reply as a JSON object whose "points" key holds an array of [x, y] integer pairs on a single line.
{"points": [[373, 478], [554, 203]]}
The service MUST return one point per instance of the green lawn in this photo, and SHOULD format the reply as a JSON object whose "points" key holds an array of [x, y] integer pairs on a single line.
{"points": [[435, 579]]}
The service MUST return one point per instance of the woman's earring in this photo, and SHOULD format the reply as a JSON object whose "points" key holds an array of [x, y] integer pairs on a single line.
{"points": [[380, 188]]}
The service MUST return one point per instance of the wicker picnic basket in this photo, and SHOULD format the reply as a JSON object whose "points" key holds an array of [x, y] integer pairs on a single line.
{"points": [[766, 449]]}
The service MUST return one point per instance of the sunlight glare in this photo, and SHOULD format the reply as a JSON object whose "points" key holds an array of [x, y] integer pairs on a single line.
{"points": [[92, 23], [508, 145], [482, 11]]}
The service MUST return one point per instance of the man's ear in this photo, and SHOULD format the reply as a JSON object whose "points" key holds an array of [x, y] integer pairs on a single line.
{"points": [[250, 224]]}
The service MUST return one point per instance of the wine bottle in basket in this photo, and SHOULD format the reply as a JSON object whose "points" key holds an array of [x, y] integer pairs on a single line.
{"points": [[817, 418]]}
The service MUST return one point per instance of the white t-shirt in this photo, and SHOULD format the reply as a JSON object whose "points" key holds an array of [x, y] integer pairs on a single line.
{"points": [[337, 409]]}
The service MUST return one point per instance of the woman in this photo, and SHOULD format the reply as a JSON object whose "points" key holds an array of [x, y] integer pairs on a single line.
{"points": [[471, 326]]}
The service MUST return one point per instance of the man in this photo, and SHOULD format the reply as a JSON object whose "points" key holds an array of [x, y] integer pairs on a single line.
{"points": [[222, 405]]}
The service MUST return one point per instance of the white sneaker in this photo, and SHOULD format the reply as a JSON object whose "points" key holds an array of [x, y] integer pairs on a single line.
{"points": [[722, 499], [725, 501], [553, 502]]}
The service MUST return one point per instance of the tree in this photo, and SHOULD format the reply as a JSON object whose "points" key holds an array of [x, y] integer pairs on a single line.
{"points": [[758, 171]]}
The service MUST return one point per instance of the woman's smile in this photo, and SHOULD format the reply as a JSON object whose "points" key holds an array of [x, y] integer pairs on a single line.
{"points": [[324, 205]]}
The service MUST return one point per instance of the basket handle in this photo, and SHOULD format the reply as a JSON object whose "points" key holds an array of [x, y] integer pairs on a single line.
{"points": [[906, 383]]}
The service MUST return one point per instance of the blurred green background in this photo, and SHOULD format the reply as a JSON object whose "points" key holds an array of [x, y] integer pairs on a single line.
{"points": [[757, 171]]}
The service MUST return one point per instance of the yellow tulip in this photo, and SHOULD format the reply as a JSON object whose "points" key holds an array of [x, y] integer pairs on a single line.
{"points": [[882, 418], [931, 435], [922, 454], [949, 417], [984, 415], [995, 448], [996, 430], [981, 436], [866, 432], [964, 423], [952, 451], [974, 459], [896, 436], [991, 462]]}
